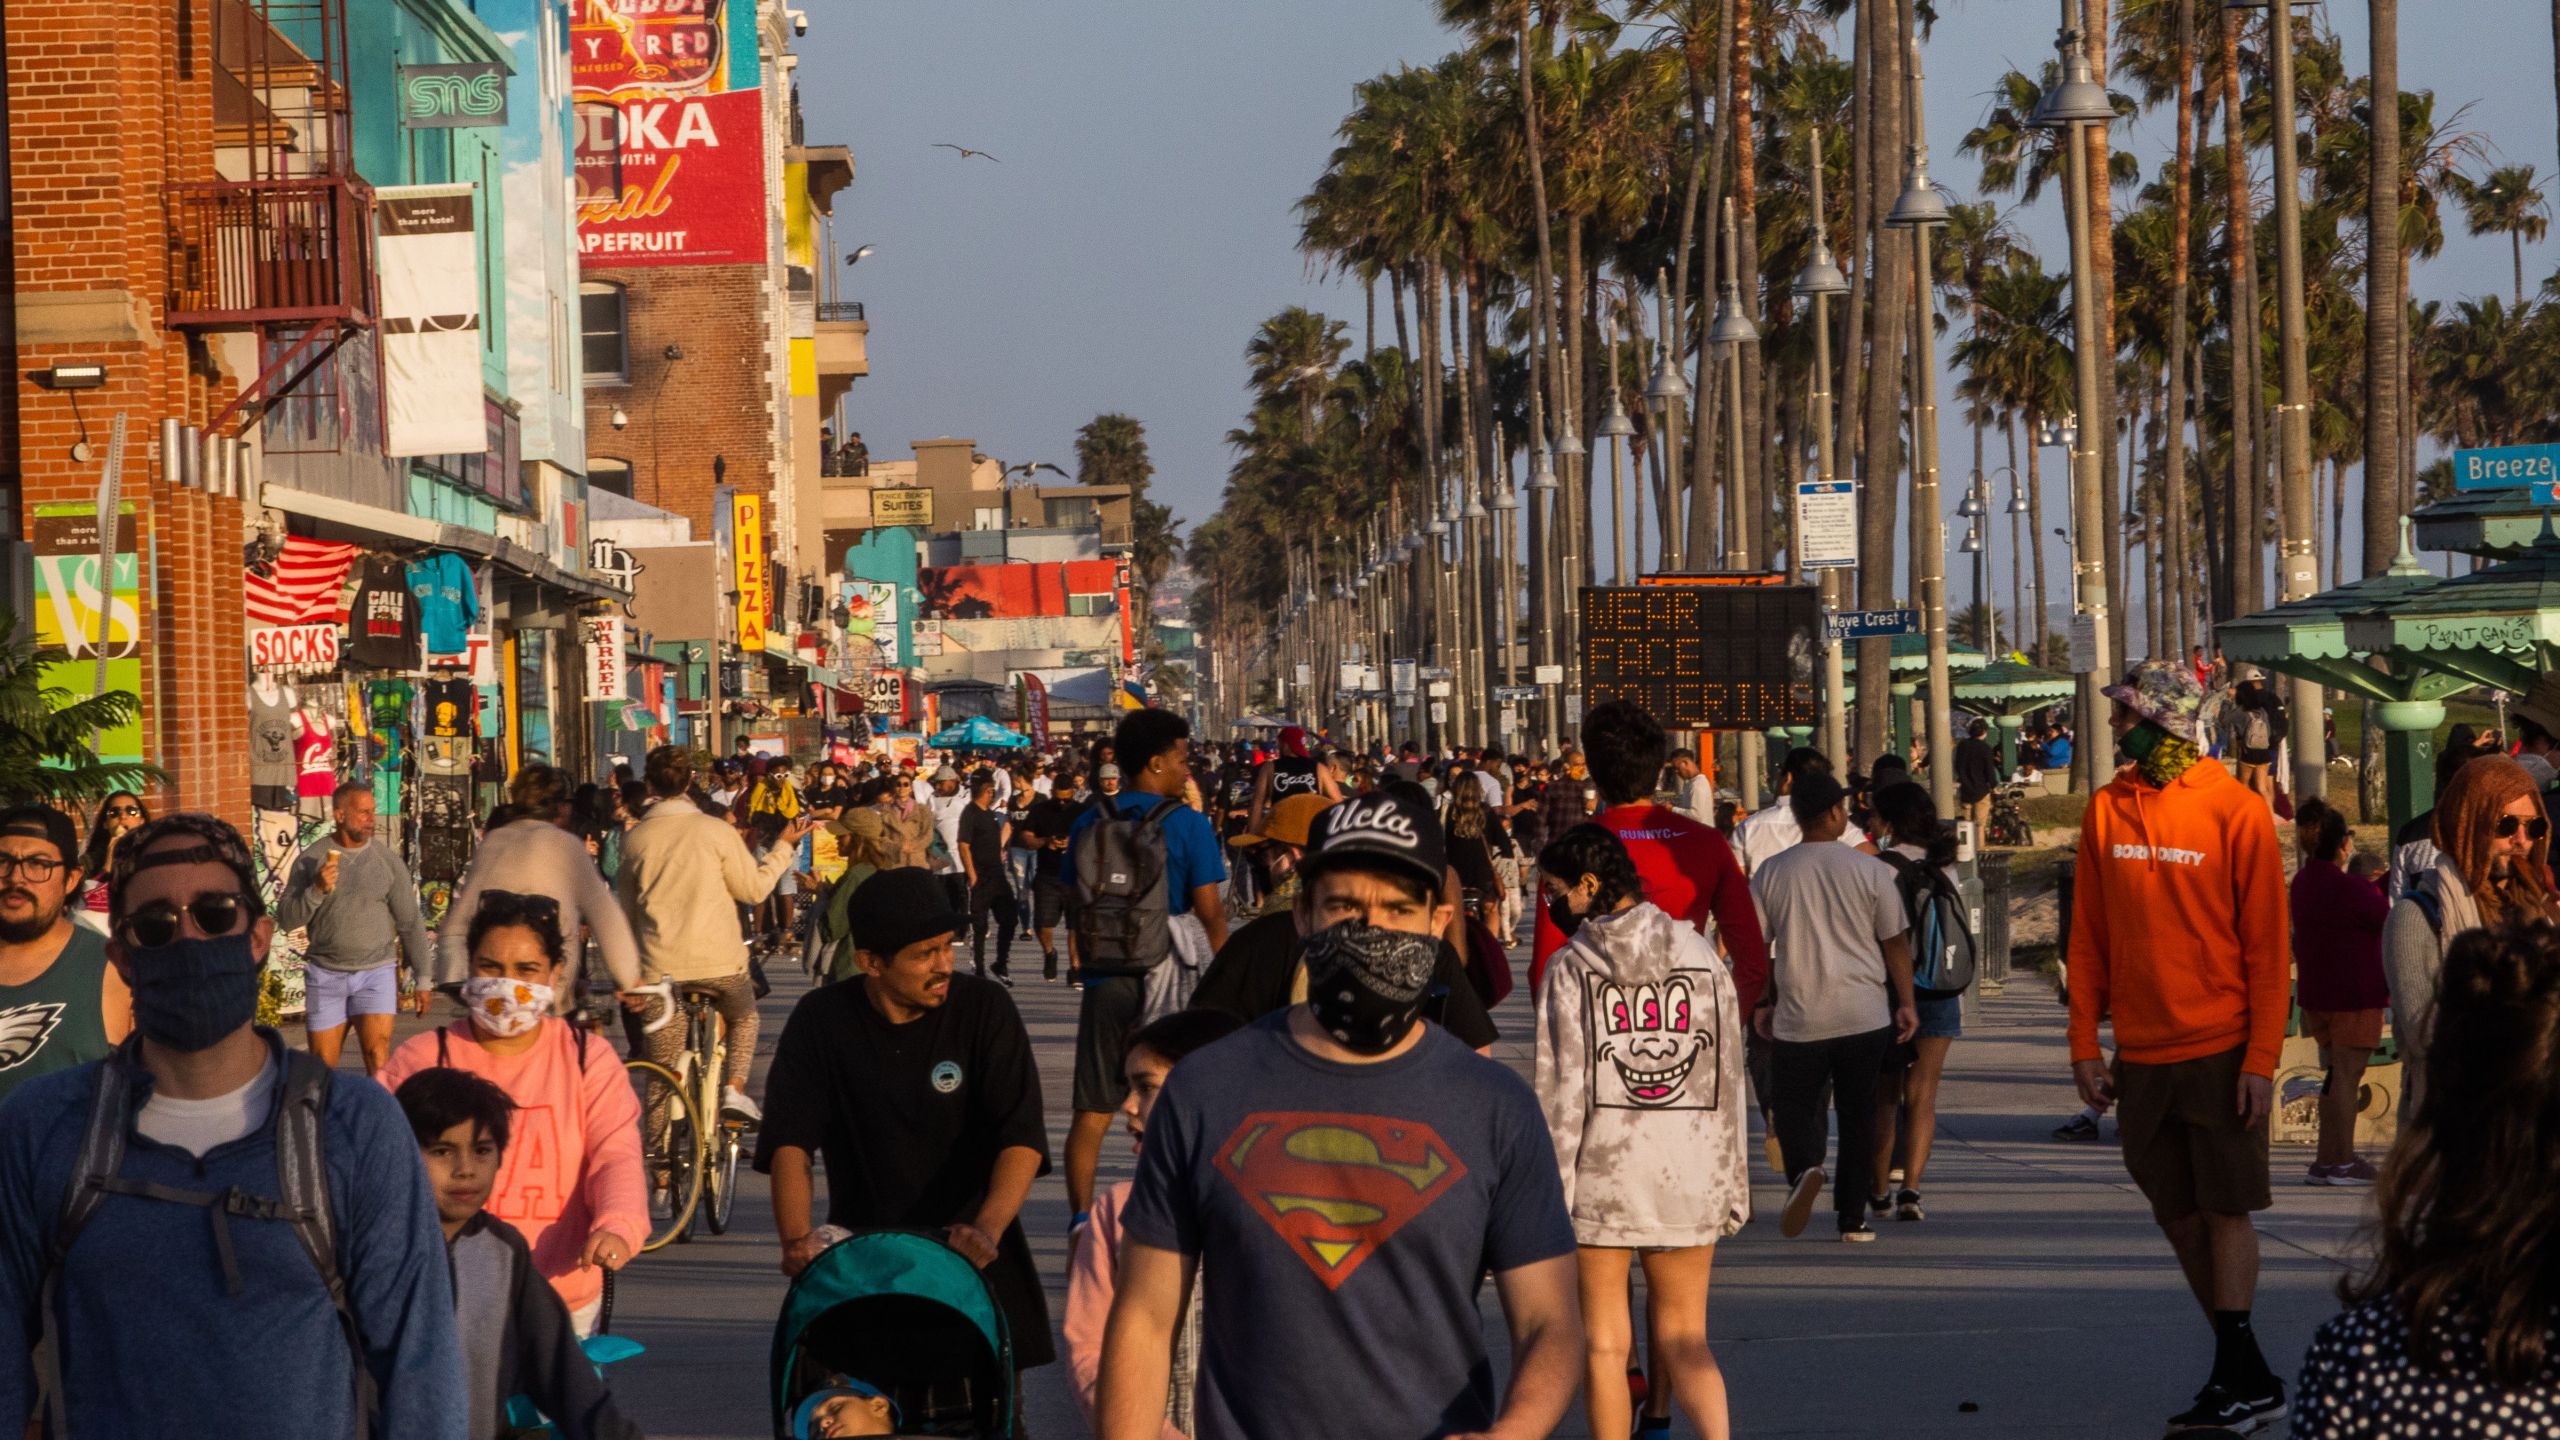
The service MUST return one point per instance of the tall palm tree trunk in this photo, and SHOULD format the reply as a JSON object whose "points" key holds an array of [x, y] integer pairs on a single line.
{"points": [[2102, 254], [2383, 313], [1890, 305], [2182, 211], [2043, 622], [2246, 584], [2024, 629], [1751, 484], [1705, 396]]}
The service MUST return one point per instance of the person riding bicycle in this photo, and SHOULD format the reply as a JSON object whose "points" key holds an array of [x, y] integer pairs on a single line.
{"points": [[573, 1182], [683, 876]]}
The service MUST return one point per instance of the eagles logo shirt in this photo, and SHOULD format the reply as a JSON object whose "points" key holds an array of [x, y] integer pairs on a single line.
{"points": [[1349, 1213], [54, 1021]]}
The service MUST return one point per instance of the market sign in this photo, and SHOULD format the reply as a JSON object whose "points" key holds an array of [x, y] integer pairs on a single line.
{"points": [[605, 643], [1701, 656], [902, 505], [453, 97]]}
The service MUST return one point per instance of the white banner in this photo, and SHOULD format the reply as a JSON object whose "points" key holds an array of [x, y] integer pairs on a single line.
{"points": [[604, 656], [293, 649], [428, 260]]}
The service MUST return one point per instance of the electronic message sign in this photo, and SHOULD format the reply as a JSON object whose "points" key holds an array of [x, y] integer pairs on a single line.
{"points": [[1704, 656]]}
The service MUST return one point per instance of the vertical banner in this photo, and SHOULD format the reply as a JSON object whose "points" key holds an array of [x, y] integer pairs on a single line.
{"points": [[746, 545], [604, 636], [428, 259], [887, 630], [1035, 705], [78, 601]]}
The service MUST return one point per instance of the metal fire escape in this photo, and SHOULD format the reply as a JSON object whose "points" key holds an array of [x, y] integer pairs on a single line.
{"points": [[282, 243]]}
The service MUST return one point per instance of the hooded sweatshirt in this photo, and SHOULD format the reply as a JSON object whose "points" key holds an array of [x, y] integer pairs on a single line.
{"points": [[2178, 930], [1640, 1074]]}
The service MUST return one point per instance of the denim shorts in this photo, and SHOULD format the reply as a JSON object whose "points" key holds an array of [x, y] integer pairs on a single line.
{"points": [[330, 996], [1941, 1019]]}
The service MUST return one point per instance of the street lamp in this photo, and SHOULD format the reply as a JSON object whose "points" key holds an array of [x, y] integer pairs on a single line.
{"points": [[1819, 281], [2079, 101], [1616, 426], [1919, 208], [1668, 397]]}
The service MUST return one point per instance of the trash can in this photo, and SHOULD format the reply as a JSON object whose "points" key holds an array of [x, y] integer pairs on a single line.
{"points": [[1993, 939]]}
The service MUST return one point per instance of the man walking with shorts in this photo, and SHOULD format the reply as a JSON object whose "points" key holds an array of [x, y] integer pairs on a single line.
{"points": [[361, 909], [2178, 939]]}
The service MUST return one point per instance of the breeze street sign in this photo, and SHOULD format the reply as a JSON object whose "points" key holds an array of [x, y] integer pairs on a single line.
{"points": [[2506, 467], [1871, 624]]}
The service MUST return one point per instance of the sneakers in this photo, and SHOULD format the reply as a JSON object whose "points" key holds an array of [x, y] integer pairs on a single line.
{"points": [[737, 1104], [1800, 1201], [1049, 966], [2218, 1407], [2078, 1127], [1880, 1204], [1906, 1206], [1858, 1234], [2356, 1174]]}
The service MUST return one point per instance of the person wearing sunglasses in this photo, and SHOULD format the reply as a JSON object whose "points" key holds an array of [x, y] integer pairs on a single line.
{"points": [[183, 1285], [573, 1182], [2493, 863], [119, 815], [2179, 939], [61, 1003]]}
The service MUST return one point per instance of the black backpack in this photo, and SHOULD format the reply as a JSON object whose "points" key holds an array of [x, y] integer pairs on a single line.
{"points": [[1941, 946], [1123, 907], [302, 1177]]}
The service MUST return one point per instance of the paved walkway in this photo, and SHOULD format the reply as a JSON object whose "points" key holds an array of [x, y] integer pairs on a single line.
{"points": [[2037, 1301]]}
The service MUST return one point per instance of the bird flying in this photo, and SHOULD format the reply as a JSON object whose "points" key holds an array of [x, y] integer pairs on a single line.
{"points": [[965, 152]]}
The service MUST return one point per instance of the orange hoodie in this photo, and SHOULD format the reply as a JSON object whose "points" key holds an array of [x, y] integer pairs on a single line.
{"points": [[2178, 923]]}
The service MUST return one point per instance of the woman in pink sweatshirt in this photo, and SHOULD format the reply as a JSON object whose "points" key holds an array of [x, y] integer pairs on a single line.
{"points": [[572, 1182]]}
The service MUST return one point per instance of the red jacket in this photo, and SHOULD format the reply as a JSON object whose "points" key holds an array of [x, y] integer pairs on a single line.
{"points": [[2178, 927], [1689, 873]]}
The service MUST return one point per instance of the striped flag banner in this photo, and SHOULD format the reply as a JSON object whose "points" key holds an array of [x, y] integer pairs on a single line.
{"points": [[303, 586]]}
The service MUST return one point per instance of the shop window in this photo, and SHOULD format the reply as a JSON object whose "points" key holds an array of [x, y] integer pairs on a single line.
{"points": [[606, 473], [603, 322]]}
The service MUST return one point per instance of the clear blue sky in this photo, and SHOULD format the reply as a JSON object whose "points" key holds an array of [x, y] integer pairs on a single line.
{"points": [[1139, 224]]}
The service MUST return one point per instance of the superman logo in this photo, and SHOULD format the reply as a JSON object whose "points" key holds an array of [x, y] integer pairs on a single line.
{"points": [[1337, 1187]]}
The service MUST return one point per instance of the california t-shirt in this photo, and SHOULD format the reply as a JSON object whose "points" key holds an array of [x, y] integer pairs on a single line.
{"points": [[382, 625], [1349, 1213]]}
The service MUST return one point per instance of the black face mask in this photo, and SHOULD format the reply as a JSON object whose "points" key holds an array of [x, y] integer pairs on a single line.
{"points": [[1365, 984], [1562, 914], [192, 992]]}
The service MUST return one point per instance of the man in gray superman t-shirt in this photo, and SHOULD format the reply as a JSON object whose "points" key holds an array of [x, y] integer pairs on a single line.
{"points": [[1349, 1197]]}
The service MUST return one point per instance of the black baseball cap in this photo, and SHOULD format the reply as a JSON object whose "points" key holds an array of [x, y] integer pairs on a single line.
{"points": [[1383, 828], [896, 908]]}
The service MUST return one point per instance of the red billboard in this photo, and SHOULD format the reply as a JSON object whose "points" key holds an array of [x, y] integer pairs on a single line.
{"points": [[672, 181], [620, 48]]}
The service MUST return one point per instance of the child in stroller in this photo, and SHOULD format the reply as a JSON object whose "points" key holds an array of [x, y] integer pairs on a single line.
{"points": [[846, 1407]]}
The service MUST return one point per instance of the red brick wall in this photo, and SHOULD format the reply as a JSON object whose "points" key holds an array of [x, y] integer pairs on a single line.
{"points": [[715, 402], [99, 120]]}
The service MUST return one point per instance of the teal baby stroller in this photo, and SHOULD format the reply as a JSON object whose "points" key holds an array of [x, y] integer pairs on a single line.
{"points": [[905, 1314]]}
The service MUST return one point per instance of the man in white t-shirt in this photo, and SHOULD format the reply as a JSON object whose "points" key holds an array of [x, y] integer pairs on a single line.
{"points": [[1773, 828], [1697, 793], [947, 803], [1837, 939]]}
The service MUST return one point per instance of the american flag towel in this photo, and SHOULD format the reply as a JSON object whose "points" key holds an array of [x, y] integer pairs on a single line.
{"points": [[302, 587]]}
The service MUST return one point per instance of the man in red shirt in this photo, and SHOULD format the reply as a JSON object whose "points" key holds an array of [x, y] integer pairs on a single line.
{"points": [[1688, 869]]}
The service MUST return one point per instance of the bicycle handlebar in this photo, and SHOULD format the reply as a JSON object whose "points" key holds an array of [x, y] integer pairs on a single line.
{"points": [[665, 990]]}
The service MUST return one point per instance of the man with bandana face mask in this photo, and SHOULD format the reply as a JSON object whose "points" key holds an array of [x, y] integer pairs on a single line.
{"points": [[1349, 1173], [157, 1312]]}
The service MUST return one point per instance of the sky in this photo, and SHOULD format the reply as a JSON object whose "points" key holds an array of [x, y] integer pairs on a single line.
{"points": [[1137, 223]]}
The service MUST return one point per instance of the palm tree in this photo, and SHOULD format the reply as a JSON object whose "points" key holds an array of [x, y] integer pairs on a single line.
{"points": [[2504, 202], [2018, 355], [1112, 450], [1292, 356], [47, 749]]}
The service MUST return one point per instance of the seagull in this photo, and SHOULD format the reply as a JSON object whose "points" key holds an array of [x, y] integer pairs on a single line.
{"points": [[1029, 470], [965, 152]]}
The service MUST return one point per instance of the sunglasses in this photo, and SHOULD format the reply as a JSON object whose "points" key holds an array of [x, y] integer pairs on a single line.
{"points": [[2534, 829], [504, 905], [216, 912], [124, 812]]}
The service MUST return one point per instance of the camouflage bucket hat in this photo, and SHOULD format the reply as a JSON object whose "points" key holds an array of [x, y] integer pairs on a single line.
{"points": [[2164, 693]]}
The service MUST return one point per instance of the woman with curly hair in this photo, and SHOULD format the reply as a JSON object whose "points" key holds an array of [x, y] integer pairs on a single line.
{"points": [[2452, 1330]]}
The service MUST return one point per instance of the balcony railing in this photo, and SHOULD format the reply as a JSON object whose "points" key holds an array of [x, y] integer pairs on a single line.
{"points": [[248, 252], [839, 310]]}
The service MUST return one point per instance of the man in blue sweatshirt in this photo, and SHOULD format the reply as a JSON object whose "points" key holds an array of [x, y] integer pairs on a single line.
{"points": [[217, 1318]]}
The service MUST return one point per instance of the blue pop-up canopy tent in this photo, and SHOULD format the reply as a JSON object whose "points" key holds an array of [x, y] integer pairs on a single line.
{"points": [[979, 733]]}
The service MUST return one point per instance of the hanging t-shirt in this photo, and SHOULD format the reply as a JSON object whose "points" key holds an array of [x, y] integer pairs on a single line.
{"points": [[315, 749], [451, 709], [448, 601], [382, 625], [1350, 1213]]}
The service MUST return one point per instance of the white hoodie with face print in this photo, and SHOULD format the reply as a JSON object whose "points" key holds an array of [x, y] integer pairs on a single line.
{"points": [[1640, 1073]]}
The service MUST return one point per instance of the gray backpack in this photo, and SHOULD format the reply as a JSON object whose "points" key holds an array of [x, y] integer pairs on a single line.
{"points": [[302, 1177], [1123, 911]]}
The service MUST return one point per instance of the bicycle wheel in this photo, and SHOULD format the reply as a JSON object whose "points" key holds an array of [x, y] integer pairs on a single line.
{"points": [[671, 1150], [720, 1177]]}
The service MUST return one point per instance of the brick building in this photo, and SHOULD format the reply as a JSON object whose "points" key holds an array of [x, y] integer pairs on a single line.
{"points": [[105, 101]]}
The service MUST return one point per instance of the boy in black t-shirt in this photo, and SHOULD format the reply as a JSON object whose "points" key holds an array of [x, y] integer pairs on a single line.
{"points": [[982, 841]]}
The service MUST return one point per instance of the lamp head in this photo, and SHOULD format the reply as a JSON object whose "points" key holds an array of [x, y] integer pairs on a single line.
{"points": [[1615, 425], [1669, 387], [1732, 327], [1972, 541], [1542, 475], [1821, 275]]}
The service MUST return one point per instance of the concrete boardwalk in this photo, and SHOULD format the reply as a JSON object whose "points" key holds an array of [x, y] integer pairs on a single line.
{"points": [[2038, 1292]]}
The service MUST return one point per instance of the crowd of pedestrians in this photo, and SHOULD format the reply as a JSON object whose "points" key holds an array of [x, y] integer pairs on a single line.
{"points": [[1288, 962]]}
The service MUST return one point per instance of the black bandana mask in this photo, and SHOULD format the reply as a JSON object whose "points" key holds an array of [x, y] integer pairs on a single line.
{"points": [[1366, 984]]}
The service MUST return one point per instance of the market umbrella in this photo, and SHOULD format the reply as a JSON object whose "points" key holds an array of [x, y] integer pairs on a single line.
{"points": [[979, 733]]}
